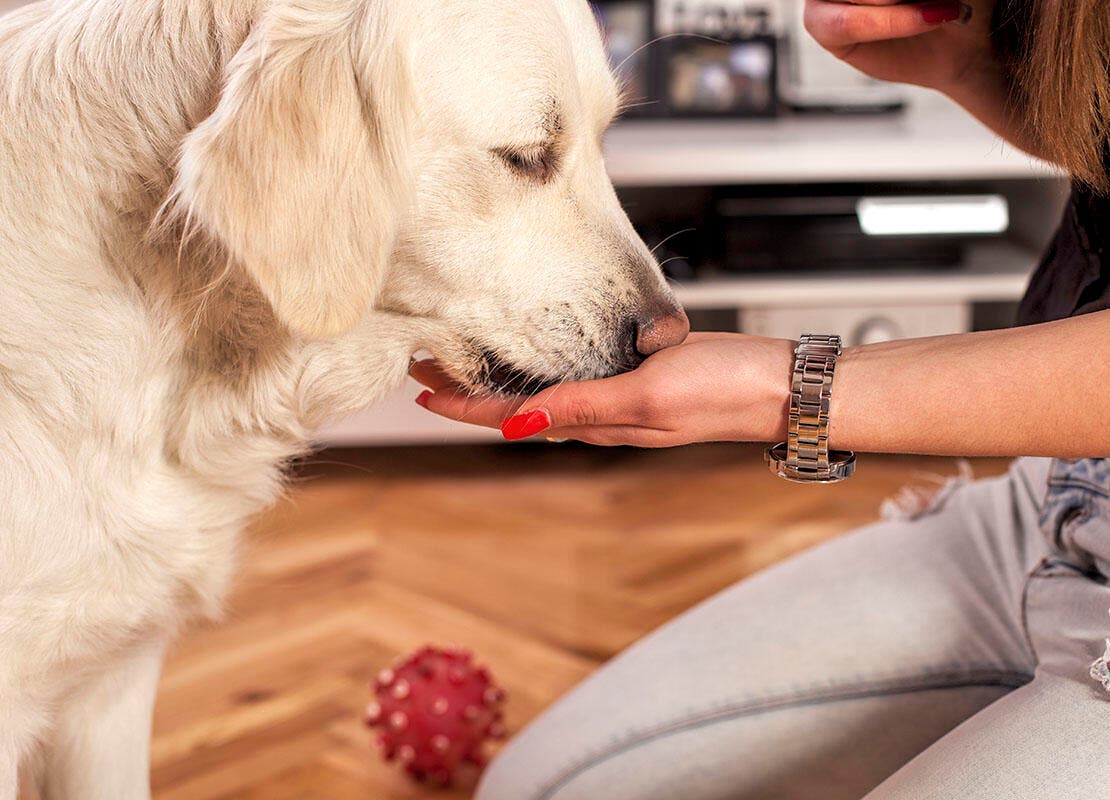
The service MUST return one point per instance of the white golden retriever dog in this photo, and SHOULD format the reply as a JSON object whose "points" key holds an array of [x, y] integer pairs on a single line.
{"points": [[222, 221]]}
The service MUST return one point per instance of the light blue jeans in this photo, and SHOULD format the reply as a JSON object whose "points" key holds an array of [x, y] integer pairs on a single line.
{"points": [[956, 654]]}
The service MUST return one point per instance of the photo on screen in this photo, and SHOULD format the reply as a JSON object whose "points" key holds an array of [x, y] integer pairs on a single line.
{"points": [[705, 78]]}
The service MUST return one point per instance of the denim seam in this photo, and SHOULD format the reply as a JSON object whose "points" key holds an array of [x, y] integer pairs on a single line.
{"points": [[1037, 573], [1071, 570], [1079, 483], [1025, 609], [962, 680], [1038, 491], [1075, 573]]}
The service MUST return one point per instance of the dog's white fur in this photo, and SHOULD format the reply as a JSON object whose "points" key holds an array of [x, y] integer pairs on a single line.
{"points": [[220, 222]]}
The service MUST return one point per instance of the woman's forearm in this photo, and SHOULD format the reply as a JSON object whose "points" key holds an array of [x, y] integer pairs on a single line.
{"points": [[1038, 390]]}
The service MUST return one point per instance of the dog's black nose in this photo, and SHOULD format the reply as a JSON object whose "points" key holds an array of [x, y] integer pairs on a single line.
{"points": [[648, 333], [661, 331]]}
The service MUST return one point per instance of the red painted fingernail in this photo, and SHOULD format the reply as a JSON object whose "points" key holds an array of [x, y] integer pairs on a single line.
{"points": [[939, 13], [524, 425], [423, 399]]}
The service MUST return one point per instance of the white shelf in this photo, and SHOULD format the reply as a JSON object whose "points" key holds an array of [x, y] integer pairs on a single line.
{"points": [[933, 139], [890, 290], [995, 272]]}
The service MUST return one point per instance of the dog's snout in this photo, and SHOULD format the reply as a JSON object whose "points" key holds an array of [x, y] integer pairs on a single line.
{"points": [[653, 331], [661, 331]]}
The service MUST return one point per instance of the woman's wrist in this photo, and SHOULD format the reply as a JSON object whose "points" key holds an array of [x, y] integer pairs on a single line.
{"points": [[773, 418], [776, 406], [846, 391]]}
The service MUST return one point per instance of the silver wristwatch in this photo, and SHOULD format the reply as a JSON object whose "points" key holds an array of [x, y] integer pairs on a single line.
{"points": [[805, 456]]}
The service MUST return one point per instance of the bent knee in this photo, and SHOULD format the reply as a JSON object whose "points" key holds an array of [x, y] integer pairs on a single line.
{"points": [[513, 776], [528, 771], [537, 770]]}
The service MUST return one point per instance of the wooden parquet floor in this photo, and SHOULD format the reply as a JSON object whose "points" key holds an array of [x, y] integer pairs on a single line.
{"points": [[545, 560]]}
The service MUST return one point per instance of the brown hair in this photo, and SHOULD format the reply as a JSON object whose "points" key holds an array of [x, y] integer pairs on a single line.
{"points": [[1058, 57]]}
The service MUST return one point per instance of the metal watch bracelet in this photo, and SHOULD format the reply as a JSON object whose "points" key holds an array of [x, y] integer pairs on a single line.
{"points": [[805, 456]]}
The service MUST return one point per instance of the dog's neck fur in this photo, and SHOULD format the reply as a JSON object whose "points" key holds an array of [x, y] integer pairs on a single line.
{"points": [[132, 122], [244, 406], [69, 52]]}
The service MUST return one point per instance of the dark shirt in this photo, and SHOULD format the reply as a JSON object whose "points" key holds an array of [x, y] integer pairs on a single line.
{"points": [[1074, 275]]}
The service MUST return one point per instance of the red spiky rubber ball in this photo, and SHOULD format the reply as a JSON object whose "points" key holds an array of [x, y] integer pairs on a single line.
{"points": [[434, 712]]}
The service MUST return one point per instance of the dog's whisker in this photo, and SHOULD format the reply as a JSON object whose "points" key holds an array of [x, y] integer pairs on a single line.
{"points": [[672, 236], [628, 106], [670, 260], [473, 411], [659, 39]]}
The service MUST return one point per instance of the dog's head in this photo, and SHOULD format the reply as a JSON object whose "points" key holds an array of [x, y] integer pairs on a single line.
{"points": [[440, 159]]}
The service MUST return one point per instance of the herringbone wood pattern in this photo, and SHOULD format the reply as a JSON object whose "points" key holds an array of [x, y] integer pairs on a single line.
{"points": [[545, 560]]}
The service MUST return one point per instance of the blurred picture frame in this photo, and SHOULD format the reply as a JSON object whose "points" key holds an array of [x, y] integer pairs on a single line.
{"points": [[688, 74], [704, 77]]}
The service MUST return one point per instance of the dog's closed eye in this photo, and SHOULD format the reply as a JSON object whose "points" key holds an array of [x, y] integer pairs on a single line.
{"points": [[537, 162]]}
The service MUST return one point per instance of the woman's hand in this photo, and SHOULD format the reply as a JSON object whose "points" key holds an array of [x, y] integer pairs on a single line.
{"points": [[907, 42], [714, 387], [940, 44]]}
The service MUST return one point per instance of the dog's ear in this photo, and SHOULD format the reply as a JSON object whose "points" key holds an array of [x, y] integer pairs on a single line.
{"points": [[299, 171]]}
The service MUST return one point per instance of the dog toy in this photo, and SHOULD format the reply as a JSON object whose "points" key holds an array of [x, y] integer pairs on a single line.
{"points": [[434, 712]]}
